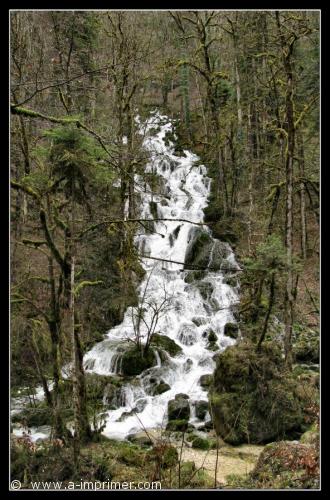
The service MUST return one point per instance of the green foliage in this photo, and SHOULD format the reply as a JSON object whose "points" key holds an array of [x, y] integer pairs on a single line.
{"points": [[74, 158], [200, 443], [270, 256]]}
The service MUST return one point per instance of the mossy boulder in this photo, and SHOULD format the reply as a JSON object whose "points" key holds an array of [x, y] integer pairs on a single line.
{"points": [[203, 251], [231, 330], [307, 346], [181, 395], [161, 388], [164, 454], [166, 343], [253, 397], [201, 443], [212, 336], [287, 465], [140, 438], [178, 408], [178, 425], [206, 380], [133, 363], [103, 390], [201, 408], [35, 417]]}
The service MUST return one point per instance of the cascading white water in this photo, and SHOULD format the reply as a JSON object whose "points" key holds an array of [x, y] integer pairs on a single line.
{"points": [[186, 189]]}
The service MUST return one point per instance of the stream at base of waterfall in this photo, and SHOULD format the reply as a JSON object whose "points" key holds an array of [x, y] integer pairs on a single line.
{"points": [[188, 313]]}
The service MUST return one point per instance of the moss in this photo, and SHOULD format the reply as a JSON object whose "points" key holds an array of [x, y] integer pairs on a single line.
{"points": [[130, 454], [133, 363], [201, 408], [201, 443], [177, 425], [166, 343], [164, 454], [205, 380], [231, 330], [161, 388], [36, 416], [287, 465], [306, 347], [254, 397], [231, 281]]}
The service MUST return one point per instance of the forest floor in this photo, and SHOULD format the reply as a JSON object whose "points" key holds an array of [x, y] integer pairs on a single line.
{"points": [[238, 460]]}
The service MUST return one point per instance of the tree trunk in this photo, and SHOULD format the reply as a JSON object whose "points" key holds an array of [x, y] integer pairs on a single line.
{"points": [[269, 310], [302, 196], [289, 299]]}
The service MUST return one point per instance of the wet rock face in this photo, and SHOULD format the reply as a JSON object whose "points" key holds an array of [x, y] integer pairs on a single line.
{"points": [[188, 334], [199, 248], [306, 348], [205, 289], [203, 251], [187, 365]]}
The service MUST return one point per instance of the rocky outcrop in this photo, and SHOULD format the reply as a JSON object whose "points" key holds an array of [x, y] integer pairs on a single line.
{"points": [[166, 343], [133, 363], [206, 380], [201, 408], [203, 251], [254, 398], [178, 410], [231, 330]]}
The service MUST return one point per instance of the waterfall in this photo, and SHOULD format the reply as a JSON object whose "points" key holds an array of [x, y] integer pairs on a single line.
{"points": [[189, 312]]}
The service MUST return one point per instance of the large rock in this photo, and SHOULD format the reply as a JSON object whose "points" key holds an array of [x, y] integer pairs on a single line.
{"points": [[254, 398], [307, 346], [199, 248], [201, 408], [231, 330], [160, 388], [287, 464], [205, 380], [133, 363], [178, 409], [140, 438], [202, 251], [166, 343]]}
